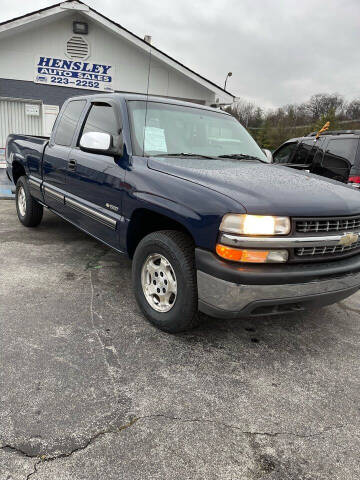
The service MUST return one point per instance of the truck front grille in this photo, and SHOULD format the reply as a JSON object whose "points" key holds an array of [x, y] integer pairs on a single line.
{"points": [[325, 227], [333, 224], [322, 251]]}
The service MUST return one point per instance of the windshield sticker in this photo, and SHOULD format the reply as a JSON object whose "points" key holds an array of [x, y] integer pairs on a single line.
{"points": [[155, 140]]}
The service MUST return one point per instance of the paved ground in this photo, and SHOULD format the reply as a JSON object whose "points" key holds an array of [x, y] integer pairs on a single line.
{"points": [[89, 390]]}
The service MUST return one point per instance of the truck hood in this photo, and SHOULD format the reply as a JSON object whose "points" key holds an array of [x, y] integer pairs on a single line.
{"points": [[265, 188]]}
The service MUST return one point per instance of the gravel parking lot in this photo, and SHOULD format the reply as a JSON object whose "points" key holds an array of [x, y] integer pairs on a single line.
{"points": [[90, 390]]}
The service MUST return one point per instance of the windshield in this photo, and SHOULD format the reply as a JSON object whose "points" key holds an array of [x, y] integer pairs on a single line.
{"points": [[181, 130]]}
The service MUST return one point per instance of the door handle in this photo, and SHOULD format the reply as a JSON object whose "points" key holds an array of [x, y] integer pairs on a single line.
{"points": [[72, 165]]}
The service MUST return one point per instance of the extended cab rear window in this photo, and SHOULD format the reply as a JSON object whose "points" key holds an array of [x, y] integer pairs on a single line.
{"points": [[66, 127]]}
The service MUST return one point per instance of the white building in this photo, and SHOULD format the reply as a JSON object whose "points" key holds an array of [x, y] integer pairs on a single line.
{"points": [[70, 49]]}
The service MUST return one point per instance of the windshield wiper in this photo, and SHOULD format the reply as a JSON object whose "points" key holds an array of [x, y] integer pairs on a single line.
{"points": [[236, 156], [241, 156], [193, 155], [289, 164]]}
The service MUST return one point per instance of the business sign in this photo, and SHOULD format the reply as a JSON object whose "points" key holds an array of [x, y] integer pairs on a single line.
{"points": [[32, 109], [74, 74]]}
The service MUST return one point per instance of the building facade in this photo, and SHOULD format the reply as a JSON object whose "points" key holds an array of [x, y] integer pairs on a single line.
{"points": [[70, 49]]}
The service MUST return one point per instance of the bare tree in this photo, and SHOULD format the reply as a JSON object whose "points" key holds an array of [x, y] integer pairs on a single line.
{"points": [[272, 127], [322, 103], [248, 113], [353, 110]]}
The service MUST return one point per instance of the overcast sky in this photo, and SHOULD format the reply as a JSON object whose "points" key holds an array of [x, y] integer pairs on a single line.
{"points": [[280, 51]]}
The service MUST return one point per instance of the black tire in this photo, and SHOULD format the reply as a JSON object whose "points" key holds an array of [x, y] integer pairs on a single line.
{"points": [[178, 250], [33, 210]]}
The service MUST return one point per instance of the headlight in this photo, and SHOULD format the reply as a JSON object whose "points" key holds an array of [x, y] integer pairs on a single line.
{"points": [[255, 224]]}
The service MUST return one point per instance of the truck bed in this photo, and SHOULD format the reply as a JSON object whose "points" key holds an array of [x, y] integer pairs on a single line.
{"points": [[28, 151]]}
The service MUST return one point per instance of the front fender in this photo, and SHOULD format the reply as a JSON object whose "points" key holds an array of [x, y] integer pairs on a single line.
{"points": [[165, 206], [195, 207]]}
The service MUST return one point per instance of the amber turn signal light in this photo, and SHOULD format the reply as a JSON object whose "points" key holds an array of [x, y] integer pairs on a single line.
{"points": [[251, 256]]}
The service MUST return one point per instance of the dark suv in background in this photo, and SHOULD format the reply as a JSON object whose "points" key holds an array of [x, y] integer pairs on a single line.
{"points": [[335, 154]]}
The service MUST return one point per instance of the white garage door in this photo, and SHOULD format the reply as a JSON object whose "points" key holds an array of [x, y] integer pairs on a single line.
{"points": [[19, 116]]}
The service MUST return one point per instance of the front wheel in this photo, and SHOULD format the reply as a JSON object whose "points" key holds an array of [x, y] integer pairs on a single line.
{"points": [[29, 211], [164, 280]]}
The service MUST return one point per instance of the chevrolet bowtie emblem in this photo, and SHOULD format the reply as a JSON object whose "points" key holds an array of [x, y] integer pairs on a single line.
{"points": [[348, 239]]}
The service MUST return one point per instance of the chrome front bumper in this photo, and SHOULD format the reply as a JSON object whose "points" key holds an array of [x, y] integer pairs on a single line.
{"points": [[225, 299]]}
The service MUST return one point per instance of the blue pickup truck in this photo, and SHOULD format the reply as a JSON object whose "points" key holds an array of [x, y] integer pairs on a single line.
{"points": [[184, 191]]}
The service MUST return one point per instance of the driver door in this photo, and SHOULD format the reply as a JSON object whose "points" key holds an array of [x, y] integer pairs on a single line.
{"points": [[96, 181]]}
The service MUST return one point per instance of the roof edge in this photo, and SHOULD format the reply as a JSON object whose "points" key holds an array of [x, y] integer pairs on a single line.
{"points": [[157, 49], [56, 5], [36, 11]]}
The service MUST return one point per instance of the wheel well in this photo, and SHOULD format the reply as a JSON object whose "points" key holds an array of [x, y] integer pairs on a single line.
{"points": [[18, 171], [145, 221]]}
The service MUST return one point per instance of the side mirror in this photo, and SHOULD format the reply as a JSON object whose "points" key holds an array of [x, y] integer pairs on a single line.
{"points": [[268, 155], [97, 142], [101, 142]]}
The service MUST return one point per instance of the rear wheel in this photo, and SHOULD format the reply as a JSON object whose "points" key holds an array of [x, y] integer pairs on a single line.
{"points": [[165, 282], [29, 211]]}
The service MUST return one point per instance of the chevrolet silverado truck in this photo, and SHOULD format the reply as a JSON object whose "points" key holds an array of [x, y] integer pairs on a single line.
{"points": [[189, 196]]}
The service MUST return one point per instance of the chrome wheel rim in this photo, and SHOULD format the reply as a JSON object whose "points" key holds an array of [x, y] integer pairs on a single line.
{"points": [[22, 201], [158, 281]]}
